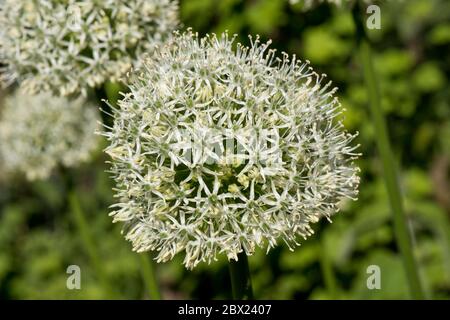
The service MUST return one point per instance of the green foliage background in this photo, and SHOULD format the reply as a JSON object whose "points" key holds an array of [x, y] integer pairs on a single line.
{"points": [[38, 239]]}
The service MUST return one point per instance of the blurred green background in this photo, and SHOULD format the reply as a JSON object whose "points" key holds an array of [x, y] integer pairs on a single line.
{"points": [[39, 240]]}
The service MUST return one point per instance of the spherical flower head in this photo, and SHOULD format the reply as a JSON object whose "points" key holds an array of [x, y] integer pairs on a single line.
{"points": [[218, 149], [72, 45], [38, 133]]}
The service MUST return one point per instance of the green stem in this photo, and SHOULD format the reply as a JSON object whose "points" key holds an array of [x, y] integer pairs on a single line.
{"points": [[149, 275], [327, 270], [240, 278], [112, 91], [402, 231], [87, 240]]}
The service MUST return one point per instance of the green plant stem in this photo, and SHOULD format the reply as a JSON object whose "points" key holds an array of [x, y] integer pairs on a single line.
{"points": [[241, 283], [402, 232], [112, 91], [149, 276], [327, 270], [87, 240]]}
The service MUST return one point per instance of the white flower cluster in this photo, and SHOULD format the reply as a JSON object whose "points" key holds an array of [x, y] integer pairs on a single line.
{"points": [[196, 93], [39, 132], [71, 45]]}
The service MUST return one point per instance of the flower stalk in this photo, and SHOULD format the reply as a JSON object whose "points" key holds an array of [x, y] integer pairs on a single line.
{"points": [[387, 158], [87, 240], [326, 265], [149, 276], [241, 282]]}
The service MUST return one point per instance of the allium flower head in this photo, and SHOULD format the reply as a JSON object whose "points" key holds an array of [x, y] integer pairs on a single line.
{"points": [[68, 46], [220, 150], [37, 133]]}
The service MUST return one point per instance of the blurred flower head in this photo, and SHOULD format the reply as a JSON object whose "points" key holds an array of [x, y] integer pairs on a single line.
{"points": [[39, 132], [220, 150], [69, 46]]}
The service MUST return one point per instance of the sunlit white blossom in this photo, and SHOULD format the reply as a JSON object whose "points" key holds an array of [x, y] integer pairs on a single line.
{"points": [[69, 46], [38, 133], [176, 193]]}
